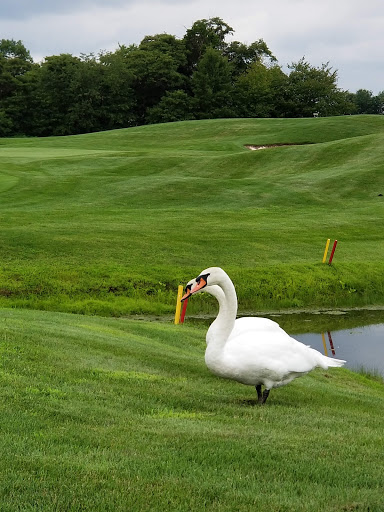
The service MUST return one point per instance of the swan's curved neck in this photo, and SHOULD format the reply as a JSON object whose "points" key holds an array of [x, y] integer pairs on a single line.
{"points": [[222, 326]]}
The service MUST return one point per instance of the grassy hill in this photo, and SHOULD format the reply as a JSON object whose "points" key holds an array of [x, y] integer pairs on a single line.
{"points": [[114, 415], [110, 223]]}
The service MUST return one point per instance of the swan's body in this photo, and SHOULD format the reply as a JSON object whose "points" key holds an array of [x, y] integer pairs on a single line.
{"points": [[253, 351]]}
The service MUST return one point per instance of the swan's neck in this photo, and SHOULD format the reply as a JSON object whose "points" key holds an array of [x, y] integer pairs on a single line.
{"points": [[222, 326]]}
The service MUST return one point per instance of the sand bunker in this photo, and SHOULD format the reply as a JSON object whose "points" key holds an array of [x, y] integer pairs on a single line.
{"points": [[253, 147]]}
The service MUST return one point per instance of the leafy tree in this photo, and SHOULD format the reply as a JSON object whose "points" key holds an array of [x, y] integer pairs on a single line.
{"points": [[242, 56], [205, 34], [6, 124], [11, 49], [212, 85], [380, 102], [15, 62], [153, 74], [313, 89], [260, 91], [366, 102], [167, 45], [174, 106], [117, 97]]}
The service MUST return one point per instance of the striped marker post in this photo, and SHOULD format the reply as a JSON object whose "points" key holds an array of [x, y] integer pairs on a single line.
{"points": [[178, 304]]}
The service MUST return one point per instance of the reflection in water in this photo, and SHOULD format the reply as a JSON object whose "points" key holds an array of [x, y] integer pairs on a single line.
{"points": [[324, 344], [330, 344], [361, 347]]}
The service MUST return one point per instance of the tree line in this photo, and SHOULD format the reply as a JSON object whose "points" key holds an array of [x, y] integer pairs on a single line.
{"points": [[164, 78]]}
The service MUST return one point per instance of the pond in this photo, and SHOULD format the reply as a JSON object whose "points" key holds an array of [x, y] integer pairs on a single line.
{"points": [[356, 336]]}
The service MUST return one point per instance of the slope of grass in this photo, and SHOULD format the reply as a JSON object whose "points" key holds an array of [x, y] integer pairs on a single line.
{"points": [[111, 222], [112, 414]]}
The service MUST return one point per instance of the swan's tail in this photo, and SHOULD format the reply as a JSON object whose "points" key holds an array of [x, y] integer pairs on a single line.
{"points": [[329, 361]]}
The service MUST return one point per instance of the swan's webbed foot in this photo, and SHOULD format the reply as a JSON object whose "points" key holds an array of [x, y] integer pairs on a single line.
{"points": [[261, 396]]}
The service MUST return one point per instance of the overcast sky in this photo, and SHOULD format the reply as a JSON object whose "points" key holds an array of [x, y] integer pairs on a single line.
{"points": [[347, 33]]}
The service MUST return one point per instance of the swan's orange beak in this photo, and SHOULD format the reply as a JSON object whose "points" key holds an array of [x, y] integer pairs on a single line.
{"points": [[186, 295], [198, 286]]}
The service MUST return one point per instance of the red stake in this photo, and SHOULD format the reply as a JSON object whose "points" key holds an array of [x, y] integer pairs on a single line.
{"points": [[183, 311], [333, 252]]}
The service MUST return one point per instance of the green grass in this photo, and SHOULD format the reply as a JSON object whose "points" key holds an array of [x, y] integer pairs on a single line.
{"points": [[115, 415], [110, 223]]}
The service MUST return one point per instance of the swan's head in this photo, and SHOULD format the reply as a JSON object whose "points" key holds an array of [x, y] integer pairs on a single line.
{"points": [[214, 290], [209, 277], [187, 290]]}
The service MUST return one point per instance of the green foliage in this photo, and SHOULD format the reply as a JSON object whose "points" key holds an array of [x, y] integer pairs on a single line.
{"points": [[212, 85], [310, 89], [366, 103], [205, 34], [11, 49], [260, 91], [164, 79], [174, 106], [242, 56], [106, 414]]}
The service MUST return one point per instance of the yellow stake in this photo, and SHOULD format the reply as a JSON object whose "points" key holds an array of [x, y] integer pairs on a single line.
{"points": [[178, 304], [325, 345], [326, 250]]}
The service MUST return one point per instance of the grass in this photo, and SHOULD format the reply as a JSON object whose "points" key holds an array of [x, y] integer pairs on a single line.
{"points": [[110, 223], [114, 414]]}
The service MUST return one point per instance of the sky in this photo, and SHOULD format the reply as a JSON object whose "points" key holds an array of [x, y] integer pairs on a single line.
{"points": [[349, 34]]}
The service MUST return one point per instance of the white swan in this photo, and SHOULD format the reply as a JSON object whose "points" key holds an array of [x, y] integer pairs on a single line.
{"points": [[250, 350]]}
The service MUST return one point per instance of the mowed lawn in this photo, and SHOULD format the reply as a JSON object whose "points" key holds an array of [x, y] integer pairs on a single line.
{"points": [[116, 415], [110, 223]]}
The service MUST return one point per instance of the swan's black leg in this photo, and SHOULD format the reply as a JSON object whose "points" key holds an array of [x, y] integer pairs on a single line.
{"points": [[265, 396], [259, 395]]}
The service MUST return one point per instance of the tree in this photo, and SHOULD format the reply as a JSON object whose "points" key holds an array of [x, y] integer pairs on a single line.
{"points": [[212, 85], [205, 34], [153, 74], [242, 56], [174, 106], [312, 89], [260, 91], [366, 103], [15, 63], [167, 45], [11, 49]]}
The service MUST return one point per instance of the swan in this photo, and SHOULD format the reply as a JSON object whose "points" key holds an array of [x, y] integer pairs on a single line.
{"points": [[250, 350]]}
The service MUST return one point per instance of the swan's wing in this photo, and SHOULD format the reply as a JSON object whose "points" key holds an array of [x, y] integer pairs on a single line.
{"points": [[272, 349], [250, 323]]}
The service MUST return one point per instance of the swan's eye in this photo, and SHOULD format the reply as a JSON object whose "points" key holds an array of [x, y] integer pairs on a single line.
{"points": [[202, 277]]}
